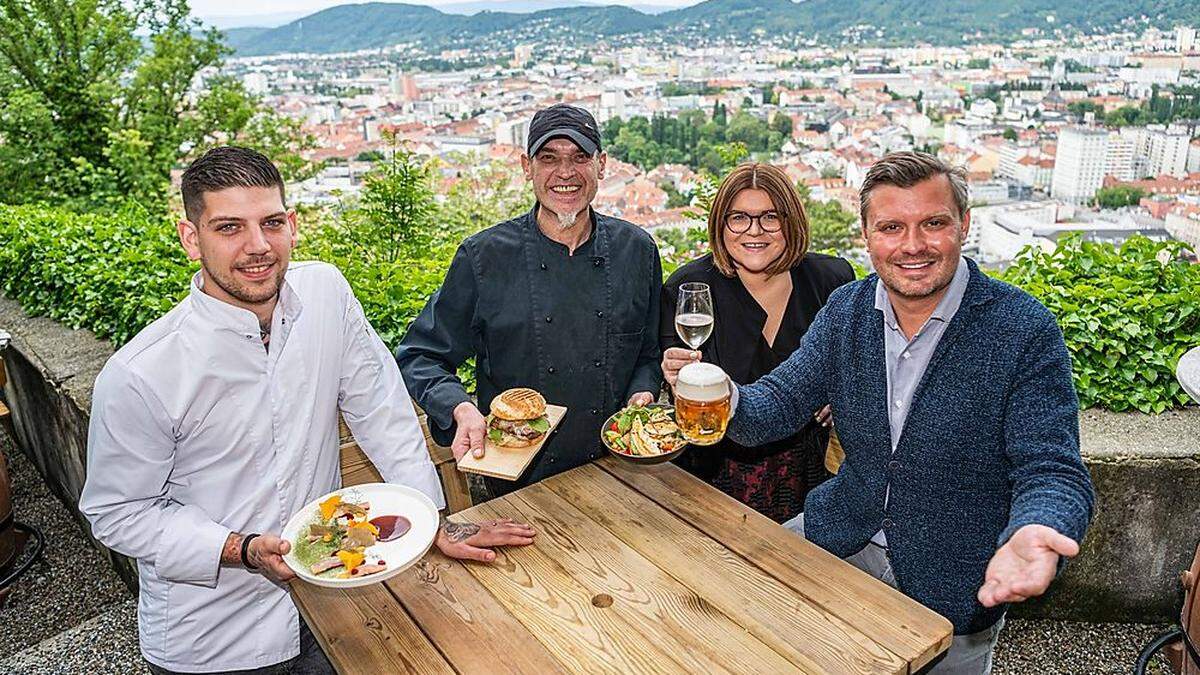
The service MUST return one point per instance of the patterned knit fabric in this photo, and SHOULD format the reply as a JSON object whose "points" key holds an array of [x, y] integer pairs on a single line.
{"points": [[991, 442]]}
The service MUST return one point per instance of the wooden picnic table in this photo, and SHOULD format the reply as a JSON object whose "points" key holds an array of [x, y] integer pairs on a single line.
{"points": [[634, 569]]}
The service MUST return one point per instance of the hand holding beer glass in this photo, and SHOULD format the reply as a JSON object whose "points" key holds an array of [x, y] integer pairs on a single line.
{"points": [[702, 402]]}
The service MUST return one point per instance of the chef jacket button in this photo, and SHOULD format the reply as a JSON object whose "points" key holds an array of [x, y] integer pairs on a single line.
{"points": [[598, 262], [597, 363], [887, 522], [599, 314], [595, 411], [543, 266], [893, 465], [551, 370], [549, 319]]}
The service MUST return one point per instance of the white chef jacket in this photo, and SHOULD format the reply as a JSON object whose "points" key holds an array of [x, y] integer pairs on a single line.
{"points": [[198, 430]]}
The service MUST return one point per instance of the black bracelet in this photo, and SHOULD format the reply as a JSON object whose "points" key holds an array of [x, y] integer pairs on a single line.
{"points": [[245, 549]]}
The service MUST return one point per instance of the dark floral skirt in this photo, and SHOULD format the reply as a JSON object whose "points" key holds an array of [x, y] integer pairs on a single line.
{"points": [[773, 480]]}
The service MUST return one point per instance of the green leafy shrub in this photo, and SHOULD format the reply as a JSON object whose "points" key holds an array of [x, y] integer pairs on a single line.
{"points": [[1128, 314], [111, 273]]}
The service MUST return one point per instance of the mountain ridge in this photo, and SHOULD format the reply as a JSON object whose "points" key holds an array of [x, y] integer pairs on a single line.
{"points": [[379, 24]]}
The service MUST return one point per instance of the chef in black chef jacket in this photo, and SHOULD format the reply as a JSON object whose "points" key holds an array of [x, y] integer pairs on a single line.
{"points": [[561, 299]]}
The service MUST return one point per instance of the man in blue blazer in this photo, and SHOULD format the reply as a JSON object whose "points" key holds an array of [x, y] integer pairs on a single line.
{"points": [[952, 395]]}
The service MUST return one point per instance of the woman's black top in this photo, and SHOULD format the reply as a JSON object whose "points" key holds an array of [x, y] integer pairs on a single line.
{"points": [[775, 478]]}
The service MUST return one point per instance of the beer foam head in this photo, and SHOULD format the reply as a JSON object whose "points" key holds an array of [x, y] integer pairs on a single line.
{"points": [[702, 382]]}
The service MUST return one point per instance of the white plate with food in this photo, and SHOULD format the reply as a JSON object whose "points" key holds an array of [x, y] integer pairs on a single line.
{"points": [[643, 434], [360, 535]]}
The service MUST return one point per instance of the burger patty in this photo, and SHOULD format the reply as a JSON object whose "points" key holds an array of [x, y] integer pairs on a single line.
{"points": [[520, 429]]}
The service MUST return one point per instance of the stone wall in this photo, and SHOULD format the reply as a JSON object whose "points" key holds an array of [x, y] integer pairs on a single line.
{"points": [[1146, 470], [51, 371], [1147, 521]]}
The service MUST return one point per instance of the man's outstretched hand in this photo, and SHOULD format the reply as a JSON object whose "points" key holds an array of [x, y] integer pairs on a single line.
{"points": [[1024, 567], [474, 541]]}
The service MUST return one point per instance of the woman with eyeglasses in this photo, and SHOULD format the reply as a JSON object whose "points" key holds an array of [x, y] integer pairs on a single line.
{"points": [[766, 288]]}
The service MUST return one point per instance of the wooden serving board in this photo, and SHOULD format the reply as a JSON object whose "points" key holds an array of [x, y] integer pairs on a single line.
{"points": [[509, 463]]}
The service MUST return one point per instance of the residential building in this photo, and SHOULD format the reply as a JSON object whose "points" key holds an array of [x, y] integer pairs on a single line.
{"points": [[1079, 164]]}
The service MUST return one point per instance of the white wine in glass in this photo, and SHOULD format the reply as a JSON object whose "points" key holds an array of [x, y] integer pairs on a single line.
{"points": [[694, 314]]}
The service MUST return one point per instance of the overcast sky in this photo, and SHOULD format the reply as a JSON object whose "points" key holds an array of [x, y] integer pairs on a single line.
{"points": [[208, 8]]}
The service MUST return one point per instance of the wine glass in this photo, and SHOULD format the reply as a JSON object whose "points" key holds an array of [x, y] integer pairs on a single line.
{"points": [[694, 314]]}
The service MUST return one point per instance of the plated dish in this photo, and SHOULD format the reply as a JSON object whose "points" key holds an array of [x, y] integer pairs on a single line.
{"points": [[360, 535], [643, 434]]}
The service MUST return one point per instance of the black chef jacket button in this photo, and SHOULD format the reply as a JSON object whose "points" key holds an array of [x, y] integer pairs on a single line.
{"points": [[597, 262], [543, 266], [597, 363], [550, 370], [549, 319], [599, 314], [893, 465], [595, 411], [887, 522]]}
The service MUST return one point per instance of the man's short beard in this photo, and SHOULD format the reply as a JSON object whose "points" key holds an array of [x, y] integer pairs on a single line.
{"points": [[235, 290], [566, 220]]}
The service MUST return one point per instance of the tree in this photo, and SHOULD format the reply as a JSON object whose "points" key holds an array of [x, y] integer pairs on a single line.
{"points": [[392, 217], [484, 194], [1010, 134], [720, 113], [783, 124], [748, 130], [96, 104], [830, 227], [675, 198], [1118, 196]]}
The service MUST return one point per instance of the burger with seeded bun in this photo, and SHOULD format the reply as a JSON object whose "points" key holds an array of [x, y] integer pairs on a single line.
{"points": [[518, 418]]}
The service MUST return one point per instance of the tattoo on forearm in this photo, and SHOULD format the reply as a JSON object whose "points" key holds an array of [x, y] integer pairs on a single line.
{"points": [[457, 532], [231, 552]]}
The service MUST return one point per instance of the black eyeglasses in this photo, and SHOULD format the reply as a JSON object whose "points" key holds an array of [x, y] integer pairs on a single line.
{"points": [[739, 222]]}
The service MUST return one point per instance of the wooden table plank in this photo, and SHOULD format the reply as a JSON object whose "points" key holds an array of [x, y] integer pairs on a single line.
{"points": [[365, 630], [773, 612], [661, 608], [465, 621], [913, 632], [560, 612]]}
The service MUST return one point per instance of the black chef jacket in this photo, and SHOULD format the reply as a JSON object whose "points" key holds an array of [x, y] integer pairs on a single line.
{"points": [[581, 329]]}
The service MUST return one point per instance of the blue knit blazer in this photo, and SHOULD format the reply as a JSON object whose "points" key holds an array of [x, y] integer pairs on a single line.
{"points": [[991, 441]]}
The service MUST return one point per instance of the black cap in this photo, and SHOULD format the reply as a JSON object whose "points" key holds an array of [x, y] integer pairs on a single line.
{"points": [[564, 121]]}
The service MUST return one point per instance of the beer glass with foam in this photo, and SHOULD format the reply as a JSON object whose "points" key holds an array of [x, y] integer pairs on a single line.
{"points": [[702, 403]]}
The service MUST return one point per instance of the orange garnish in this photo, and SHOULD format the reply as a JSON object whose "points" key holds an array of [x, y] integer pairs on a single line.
{"points": [[363, 523], [329, 506], [350, 560]]}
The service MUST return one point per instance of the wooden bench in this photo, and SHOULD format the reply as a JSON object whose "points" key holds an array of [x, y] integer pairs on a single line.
{"points": [[357, 467]]}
